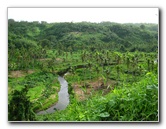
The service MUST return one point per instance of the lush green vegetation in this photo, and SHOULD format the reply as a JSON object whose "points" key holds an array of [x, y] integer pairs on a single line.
{"points": [[112, 75]]}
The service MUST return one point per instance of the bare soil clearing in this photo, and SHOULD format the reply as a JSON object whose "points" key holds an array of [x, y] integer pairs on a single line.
{"points": [[20, 73], [82, 91]]}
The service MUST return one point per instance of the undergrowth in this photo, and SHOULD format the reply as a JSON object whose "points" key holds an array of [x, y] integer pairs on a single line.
{"points": [[132, 102]]}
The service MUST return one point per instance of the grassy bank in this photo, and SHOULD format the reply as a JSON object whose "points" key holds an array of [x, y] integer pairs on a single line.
{"points": [[43, 88], [133, 102]]}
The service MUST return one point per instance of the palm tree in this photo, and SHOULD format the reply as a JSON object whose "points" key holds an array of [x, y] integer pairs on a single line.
{"points": [[97, 70], [148, 63], [97, 55], [51, 64], [66, 55], [72, 70], [90, 66], [118, 59], [128, 63], [107, 74], [118, 71], [107, 53], [152, 62]]}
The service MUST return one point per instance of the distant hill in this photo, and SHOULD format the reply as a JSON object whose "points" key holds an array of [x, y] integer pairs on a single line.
{"points": [[84, 35]]}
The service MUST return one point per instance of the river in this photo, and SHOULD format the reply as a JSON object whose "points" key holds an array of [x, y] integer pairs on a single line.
{"points": [[63, 100]]}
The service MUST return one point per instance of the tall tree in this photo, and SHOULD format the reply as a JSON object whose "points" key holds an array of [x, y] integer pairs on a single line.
{"points": [[20, 107]]}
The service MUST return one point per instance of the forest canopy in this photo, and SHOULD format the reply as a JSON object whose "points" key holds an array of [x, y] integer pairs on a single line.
{"points": [[69, 36]]}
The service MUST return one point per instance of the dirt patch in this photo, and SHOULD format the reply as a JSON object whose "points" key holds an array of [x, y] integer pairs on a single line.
{"points": [[19, 73], [76, 33], [79, 93], [59, 59], [44, 59], [48, 59], [30, 71], [82, 91]]}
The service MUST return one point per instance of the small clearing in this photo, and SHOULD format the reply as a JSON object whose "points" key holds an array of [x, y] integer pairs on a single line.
{"points": [[19, 73], [82, 91]]}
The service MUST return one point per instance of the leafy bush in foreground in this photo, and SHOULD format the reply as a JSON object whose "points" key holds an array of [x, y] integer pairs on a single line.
{"points": [[136, 102]]}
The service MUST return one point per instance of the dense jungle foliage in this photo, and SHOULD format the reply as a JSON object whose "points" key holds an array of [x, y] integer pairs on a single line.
{"points": [[112, 70]]}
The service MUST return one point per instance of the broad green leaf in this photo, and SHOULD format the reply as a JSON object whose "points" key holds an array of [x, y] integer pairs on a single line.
{"points": [[105, 114]]}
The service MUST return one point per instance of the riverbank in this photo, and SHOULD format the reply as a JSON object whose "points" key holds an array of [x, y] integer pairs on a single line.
{"points": [[117, 105], [63, 98], [43, 88]]}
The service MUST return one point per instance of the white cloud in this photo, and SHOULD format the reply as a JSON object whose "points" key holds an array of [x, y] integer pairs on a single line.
{"points": [[120, 15]]}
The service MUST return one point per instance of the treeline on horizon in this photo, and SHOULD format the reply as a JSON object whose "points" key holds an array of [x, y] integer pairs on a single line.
{"points": [[69, 36]]}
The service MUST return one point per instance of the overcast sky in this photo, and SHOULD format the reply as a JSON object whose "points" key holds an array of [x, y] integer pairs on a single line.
{"points": [[119, 15]]}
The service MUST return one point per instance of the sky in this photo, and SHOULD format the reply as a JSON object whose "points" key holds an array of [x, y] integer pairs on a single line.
{"points": [[119, 15]]}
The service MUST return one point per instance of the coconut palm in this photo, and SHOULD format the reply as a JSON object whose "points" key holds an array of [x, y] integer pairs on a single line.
{"points": [[72, 70], [97, 70], [118, 72], [148, 63], [90, 66], [107, 71]]}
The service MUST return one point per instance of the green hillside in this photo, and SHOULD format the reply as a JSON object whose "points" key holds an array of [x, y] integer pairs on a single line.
{"points": [[111, 70]]}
